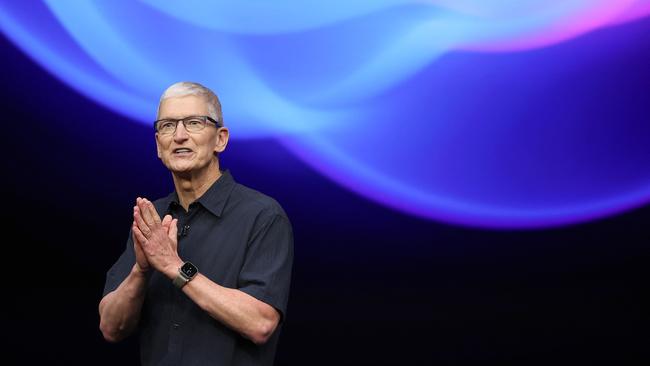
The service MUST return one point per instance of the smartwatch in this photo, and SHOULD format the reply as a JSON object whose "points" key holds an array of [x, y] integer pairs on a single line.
{"points": [[185, 274]]}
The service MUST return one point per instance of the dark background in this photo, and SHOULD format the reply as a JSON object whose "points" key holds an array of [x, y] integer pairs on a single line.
{"points": [[371, 286]]}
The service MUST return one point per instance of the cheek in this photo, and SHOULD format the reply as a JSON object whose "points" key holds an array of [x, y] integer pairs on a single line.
{"points": [[207, 147], [206, 153]]}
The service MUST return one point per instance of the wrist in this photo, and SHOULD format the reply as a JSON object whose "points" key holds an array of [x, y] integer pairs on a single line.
{"points": [[139, 271], [171, 270]]}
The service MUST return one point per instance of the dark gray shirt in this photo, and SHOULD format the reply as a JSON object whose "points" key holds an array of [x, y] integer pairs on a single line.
{"points": [[238, 238]]}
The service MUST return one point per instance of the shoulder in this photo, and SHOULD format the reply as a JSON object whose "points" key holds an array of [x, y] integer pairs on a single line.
{"points": [[255, 202], [261, 213]]}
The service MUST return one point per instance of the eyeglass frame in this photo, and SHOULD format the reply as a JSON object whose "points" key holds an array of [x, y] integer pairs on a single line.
{"points": [[206, 118]]}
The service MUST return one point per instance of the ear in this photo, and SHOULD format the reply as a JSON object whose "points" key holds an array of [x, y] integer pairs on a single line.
{"points": [[158, 146], [222, 140]]}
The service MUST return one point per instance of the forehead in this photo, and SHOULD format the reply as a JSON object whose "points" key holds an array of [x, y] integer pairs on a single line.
{"points": [[179, 107]]}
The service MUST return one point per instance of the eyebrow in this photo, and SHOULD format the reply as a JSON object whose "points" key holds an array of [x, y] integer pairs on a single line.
{"points": [[177, 118]]}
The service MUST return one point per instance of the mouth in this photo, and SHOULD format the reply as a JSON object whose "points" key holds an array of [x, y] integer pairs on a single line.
{"points": [[182, 151]]}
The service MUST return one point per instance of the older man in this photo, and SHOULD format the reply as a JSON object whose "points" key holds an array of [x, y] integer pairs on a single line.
{"points": [[208, 283]]}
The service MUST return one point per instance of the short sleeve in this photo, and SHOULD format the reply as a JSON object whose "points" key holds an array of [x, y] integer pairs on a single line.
{"points": [[121, 269], [266, 273]]}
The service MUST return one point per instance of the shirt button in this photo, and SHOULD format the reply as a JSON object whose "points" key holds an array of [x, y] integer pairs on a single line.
{"points": [[176, 326]]}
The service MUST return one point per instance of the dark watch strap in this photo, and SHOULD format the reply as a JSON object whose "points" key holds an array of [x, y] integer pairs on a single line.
{"points": [[180, 280]]}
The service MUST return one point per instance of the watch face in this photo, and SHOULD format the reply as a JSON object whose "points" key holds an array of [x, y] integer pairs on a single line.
{"points": [[189, 269]]}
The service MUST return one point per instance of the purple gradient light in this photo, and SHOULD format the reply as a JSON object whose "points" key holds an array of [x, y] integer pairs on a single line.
{"points": [[502, 114]]}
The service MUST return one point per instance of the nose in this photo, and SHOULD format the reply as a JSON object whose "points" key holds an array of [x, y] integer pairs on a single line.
{"points": [[181, 133]]}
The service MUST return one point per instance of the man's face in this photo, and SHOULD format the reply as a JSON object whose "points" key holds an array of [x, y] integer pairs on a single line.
{"points": [[183, 151]]}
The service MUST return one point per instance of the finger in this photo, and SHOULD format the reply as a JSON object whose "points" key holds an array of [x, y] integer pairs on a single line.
{"points": [[137, 242], [152, 211], [139, 236], [139, 221], [145, 213], [133, 226]]}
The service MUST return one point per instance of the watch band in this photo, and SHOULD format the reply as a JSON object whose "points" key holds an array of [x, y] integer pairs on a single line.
{"points": [[180, 280]]}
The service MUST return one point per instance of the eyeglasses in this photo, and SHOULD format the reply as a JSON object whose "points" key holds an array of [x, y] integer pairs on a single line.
{"points": [[167, 126]]}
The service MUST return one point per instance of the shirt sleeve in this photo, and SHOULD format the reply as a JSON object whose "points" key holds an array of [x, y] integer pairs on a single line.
{"points": [[121, 269], [266, 273]]}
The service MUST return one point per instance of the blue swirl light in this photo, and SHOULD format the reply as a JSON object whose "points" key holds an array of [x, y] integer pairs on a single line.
{"points": [[463, 111]]}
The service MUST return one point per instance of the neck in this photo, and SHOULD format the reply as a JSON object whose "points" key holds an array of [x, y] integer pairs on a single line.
{"points": [[190, 186]]}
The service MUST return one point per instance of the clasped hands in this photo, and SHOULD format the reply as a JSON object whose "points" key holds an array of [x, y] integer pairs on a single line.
{"points": [[155, 241]]}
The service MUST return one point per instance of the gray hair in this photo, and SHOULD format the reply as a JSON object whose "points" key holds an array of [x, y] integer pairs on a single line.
{"points": [[184, 88]]}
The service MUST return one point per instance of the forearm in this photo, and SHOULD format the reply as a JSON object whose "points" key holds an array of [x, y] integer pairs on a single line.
{"points": [[119, 310], [236, 309]]}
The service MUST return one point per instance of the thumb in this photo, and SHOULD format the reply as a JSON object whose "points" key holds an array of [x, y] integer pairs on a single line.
{"points": [[167, 220], [173, 232]]}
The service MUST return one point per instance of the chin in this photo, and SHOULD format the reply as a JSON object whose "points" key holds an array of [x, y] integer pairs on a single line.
{"points": [[174, 167], [182, 169], [183, 166]]}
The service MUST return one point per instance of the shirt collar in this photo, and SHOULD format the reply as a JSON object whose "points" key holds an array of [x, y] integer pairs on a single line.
{"points": [[214, 199]]}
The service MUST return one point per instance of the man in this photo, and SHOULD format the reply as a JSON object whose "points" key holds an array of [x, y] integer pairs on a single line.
{"points": [[208, 283]]}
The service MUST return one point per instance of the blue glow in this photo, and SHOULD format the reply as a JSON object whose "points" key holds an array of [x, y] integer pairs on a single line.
{"points": [[471, 112]]}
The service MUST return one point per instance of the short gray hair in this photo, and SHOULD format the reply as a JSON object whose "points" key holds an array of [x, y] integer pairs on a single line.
{"points": [[184, 88]]}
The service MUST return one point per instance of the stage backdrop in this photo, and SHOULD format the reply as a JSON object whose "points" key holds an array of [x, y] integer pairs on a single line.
{"points": [[467, 182]]}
